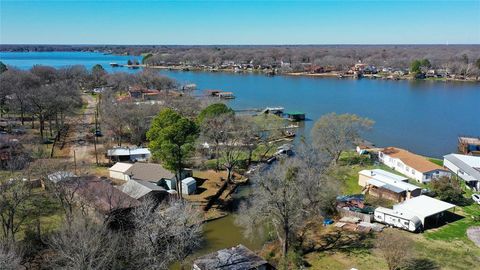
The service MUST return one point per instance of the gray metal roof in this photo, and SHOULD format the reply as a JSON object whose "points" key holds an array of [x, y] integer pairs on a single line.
{"points": [[235, 258], [457, 161]]}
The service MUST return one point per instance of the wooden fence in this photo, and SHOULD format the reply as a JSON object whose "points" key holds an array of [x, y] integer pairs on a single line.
{"points": [[347, 213]]}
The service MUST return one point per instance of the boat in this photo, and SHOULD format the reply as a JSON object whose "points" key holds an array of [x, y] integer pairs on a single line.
{"points": [[114, 64]]}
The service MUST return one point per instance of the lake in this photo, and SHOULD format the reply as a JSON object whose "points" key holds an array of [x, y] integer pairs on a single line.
{"points": [[424, 117]]}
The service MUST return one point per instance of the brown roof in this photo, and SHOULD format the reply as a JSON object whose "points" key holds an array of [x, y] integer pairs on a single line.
{"points": [[149, 172], [415, 161], [101, 194]]}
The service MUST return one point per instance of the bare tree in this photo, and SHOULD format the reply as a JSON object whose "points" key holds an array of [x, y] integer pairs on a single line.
{"points": [[84, 245], [394, 248], [9, 257], [334, 133], [164, 234], [232, 144], [15, 206]]}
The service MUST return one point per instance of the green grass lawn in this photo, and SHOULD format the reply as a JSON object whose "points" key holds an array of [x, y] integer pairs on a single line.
{"points": [[457, 230], [447, 247]]}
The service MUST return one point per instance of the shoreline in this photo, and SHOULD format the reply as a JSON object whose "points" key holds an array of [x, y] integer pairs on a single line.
{"points": [[329, 75]]}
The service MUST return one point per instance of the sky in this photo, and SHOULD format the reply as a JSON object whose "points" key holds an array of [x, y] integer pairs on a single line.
{"points": [[239, 22]]}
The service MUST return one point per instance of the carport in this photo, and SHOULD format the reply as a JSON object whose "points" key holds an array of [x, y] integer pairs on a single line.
{"points": [[427, 209]]}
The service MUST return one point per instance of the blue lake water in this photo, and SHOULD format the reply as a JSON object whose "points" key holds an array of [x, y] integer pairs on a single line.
{"points": [[424, 117]]}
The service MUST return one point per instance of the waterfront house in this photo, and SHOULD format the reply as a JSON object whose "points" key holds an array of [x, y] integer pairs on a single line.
{"points": [[464, 167], [129, 154], [383, 184], [411, 165], [235, 258]]}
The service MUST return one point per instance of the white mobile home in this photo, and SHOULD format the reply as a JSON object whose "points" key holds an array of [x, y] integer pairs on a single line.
{"points": [[411, 165], [397, 219], [465, 167], [415, 214], [129, 154]]}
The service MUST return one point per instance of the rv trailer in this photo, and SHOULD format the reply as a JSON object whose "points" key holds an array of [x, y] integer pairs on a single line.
{"points": [[397, 219]]}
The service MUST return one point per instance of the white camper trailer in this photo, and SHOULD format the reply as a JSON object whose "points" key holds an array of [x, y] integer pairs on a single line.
{"points": [[397, 219]]}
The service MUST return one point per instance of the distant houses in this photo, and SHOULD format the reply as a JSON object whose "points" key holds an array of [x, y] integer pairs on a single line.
{"points": [[235, 258], [383, 184], [465, 167], [411, 165]]}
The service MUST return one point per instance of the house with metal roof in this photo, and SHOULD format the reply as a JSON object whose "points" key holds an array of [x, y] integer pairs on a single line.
{"points": [[235, 258], [383, 184], [466, 167], [129, 154], [412, 165]]}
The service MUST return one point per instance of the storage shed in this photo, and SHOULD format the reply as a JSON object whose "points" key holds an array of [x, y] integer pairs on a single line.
{"points": [[189, 185], [118, 171]]}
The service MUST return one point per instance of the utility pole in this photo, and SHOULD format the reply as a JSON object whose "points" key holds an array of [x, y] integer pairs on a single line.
{"points": [[75, 162]]}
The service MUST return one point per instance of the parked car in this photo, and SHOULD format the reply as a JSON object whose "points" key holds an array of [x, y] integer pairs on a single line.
{"points": [[476, 198]]}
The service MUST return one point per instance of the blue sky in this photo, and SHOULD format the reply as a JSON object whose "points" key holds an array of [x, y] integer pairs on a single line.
{"points": [[239, 22]]}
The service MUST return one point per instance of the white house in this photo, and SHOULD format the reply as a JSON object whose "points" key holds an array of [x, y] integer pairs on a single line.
{"points": [[412, 165], [465, 167], [129, 154], [118, 171]]}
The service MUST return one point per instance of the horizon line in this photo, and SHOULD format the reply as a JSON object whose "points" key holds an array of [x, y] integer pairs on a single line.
{"points": [[272, 44]]}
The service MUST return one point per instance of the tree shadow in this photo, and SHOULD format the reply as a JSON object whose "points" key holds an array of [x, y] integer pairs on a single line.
{"points": [[340, 240], [421, 264]]}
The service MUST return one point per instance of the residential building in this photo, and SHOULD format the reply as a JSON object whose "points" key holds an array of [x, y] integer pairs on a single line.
{"points": [[235, 258], [465, 167], [383, 184], [129, 154], [148, 172], [412, 165], [141, 190]]}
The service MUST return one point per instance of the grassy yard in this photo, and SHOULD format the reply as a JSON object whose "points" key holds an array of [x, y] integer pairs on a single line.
{"points": [[446, 247]]}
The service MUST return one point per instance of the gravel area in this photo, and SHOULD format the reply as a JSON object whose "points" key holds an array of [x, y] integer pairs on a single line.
{"points": [[473, 234]]}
